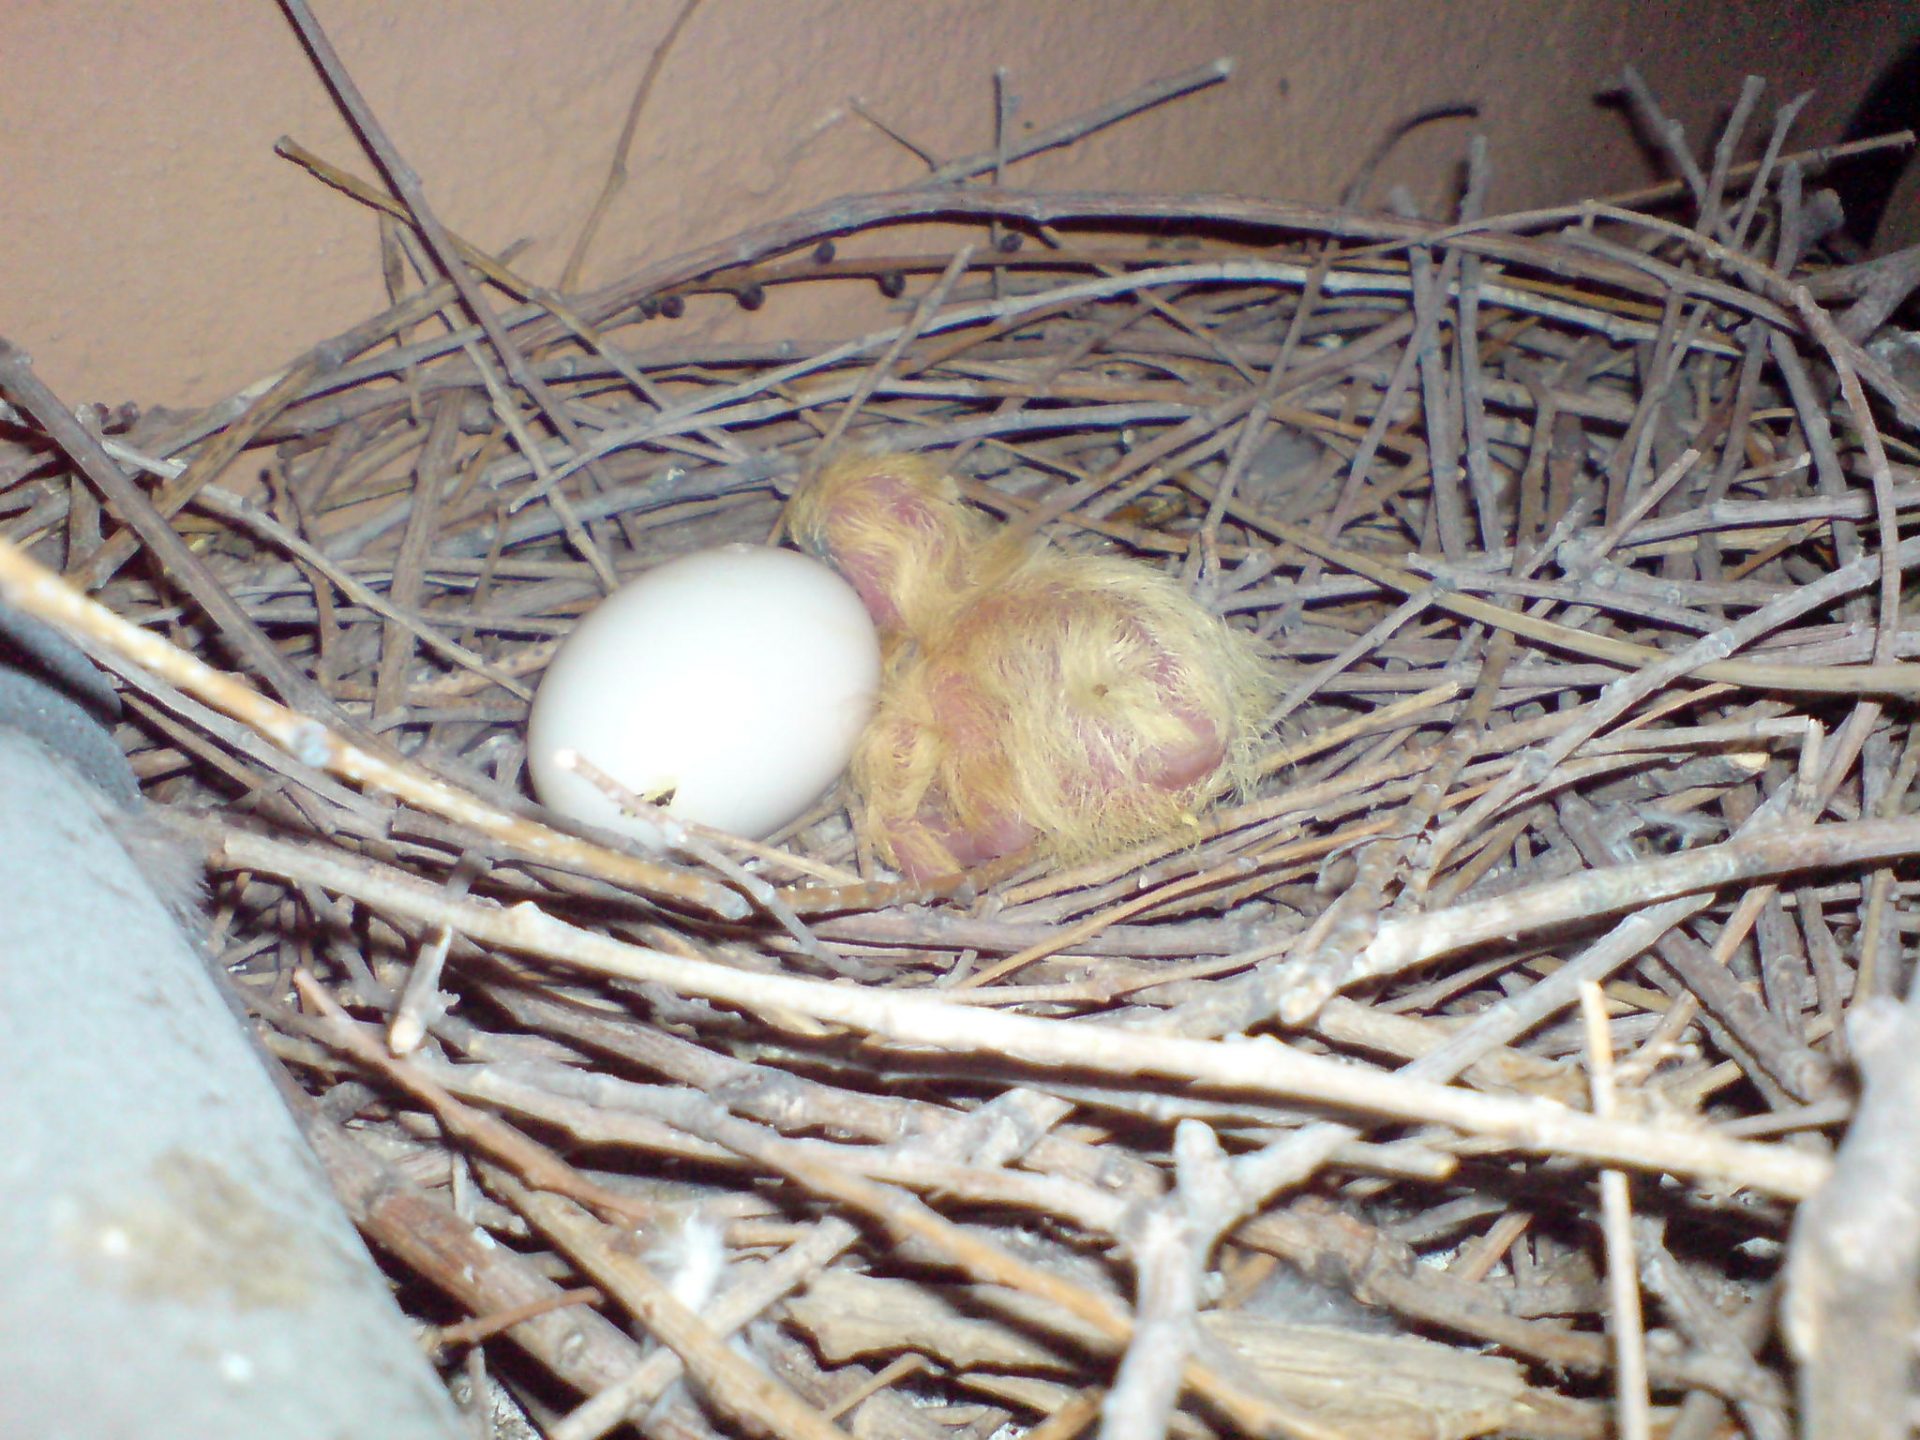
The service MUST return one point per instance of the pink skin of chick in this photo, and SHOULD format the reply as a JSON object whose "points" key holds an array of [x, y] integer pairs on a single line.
{"points": [[994, 834]]}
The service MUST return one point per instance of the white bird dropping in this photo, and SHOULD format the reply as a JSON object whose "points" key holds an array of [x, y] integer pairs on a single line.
{"points": [[730, 684]]}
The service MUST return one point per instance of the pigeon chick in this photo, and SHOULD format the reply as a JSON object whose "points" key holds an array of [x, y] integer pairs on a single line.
{"points": [[1080, 704]]}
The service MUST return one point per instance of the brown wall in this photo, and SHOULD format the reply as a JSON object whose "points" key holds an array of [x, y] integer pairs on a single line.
{"points": [[157, 250]]}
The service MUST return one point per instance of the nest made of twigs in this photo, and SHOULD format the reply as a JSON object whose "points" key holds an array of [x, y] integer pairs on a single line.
{"points": [[1574, 541]]}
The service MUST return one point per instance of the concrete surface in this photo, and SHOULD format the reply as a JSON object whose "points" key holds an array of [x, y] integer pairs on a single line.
{"points": [[176, 1265]]}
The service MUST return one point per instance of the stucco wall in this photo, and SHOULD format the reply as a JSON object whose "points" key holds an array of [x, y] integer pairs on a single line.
{"points": [[157, 250]]}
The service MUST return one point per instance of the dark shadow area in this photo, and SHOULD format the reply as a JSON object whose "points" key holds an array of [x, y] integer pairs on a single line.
{"points": [[1866, 185]]}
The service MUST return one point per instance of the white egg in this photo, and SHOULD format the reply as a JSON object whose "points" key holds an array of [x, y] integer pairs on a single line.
{"points": [[737, 680]]}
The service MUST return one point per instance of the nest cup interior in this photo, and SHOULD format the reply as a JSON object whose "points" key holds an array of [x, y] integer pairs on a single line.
{"points": [[1555, 556]]}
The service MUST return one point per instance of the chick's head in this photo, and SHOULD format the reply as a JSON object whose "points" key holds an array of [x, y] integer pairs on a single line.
{"points": [[896, 527]]}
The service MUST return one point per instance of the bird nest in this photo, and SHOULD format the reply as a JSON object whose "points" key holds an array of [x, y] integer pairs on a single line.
{"points": [[1458, 1075]]}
